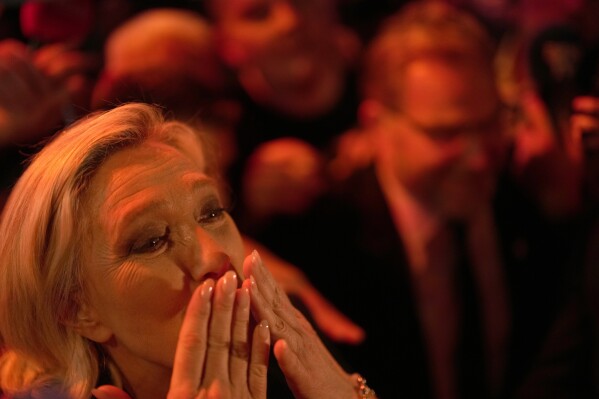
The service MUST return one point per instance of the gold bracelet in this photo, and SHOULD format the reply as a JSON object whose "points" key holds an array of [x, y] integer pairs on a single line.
{"points": [[364, 391]]}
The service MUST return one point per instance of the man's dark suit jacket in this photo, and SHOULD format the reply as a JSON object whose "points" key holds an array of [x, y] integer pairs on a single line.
{"points": [[349, 248], [568, 365]]}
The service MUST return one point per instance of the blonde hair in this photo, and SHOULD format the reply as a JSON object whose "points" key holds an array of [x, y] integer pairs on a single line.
{"points": [[41, 243], [421, 29]]}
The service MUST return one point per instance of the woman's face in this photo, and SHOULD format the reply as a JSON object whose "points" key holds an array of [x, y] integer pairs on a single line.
{"points": [[157, 229]]}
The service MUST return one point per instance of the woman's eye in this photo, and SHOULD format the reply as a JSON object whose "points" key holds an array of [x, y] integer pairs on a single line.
{"points": [[212, 215], [151, 245]]}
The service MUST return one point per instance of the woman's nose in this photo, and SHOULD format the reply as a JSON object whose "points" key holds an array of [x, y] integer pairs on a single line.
{"points": [[206, 258]]}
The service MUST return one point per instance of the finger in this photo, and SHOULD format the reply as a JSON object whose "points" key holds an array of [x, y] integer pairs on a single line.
{"points": [[238, 363], [262, 310], [329, 319], [275, 298], [290, 365], [326, 316], [307, 365], [217, 391], [586, 104], [202, 394], [219, 333], [191, 346], [289, 325], [268, 287], [579, 125], [584, 122], [259, 361], [304, 381], [109, 392]]}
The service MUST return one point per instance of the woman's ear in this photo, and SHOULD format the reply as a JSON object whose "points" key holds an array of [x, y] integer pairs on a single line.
{"points": [[88, 324]]}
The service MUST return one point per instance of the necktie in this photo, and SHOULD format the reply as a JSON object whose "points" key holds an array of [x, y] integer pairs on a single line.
{"points": [[470, 359]]}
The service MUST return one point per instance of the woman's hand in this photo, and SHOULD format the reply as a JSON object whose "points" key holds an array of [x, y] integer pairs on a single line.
{"points": [[328, 319], [215, 357], [309, 368]]}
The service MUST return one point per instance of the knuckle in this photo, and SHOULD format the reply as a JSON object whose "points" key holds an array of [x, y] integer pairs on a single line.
{"points": [[192, 340], [181, 392], [218, 344], [280, 325], [240, 350], [204, 312], [240, 331], [240, 326], [277, 299], [258, 372]]}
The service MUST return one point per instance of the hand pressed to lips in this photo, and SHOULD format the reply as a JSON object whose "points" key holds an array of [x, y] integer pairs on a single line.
{"points": [[309, 368]]}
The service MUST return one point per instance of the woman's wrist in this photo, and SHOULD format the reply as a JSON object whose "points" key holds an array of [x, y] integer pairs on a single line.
{"points": [[362, 389]]}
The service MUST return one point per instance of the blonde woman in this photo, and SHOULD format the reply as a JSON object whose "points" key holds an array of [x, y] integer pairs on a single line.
{"points": [[120, 266]]}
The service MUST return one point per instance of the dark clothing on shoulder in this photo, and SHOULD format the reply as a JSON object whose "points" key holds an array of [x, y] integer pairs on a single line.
{"points": [[568, 365], [350, 249]]}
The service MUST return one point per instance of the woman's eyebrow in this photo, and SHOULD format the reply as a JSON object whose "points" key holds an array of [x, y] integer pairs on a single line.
{"points": [[125, 214], [141, 203], [198, 182]]}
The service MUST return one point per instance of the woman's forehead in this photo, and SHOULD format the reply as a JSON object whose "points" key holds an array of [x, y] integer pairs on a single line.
{"points": [[143, 168], [185, 140]]}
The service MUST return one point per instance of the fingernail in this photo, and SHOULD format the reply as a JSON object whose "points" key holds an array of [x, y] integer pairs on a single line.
{"points": [[206, 289], [230, 282], [266, 331], [256, 260], [253, 283]]}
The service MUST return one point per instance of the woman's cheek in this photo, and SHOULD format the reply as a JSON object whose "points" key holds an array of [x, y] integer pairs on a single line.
{"points": [[233, 244], [156, 287]]}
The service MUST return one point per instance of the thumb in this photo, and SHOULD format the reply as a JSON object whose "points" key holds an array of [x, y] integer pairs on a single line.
{"points": [[109, 392], [290, 365]]}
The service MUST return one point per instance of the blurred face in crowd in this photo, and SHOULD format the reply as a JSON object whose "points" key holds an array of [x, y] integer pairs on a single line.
{"points": [[158, 230], [443, 140], [290, 55]]}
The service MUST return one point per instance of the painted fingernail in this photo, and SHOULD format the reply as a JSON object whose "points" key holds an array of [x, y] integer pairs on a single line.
{"points": [[207, 288], [264, 332], [256, 260], [230, 282]]}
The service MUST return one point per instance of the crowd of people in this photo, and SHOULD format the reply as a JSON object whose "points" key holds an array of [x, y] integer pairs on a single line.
{"points": [[406, 191]]}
